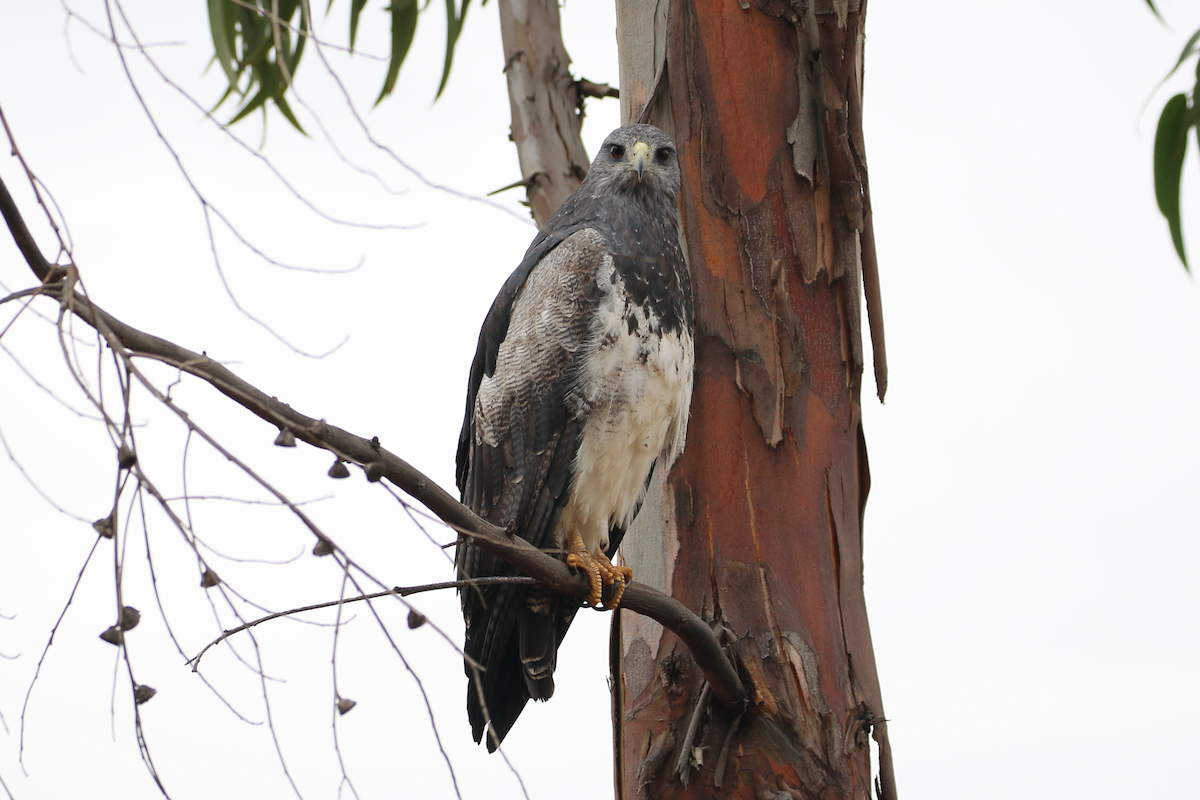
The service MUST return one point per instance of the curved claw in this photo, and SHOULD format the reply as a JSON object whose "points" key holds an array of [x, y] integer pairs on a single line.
{"points": [[582, 560], [600, 571], [612, 575]]}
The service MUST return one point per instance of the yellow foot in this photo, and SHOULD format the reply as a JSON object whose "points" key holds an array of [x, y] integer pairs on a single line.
{"points": [[612, 575], [579, 558], [600, 571]]}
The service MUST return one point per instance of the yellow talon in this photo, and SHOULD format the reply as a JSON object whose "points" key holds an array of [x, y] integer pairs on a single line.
{"points": [[579, 558], [600, 571]]}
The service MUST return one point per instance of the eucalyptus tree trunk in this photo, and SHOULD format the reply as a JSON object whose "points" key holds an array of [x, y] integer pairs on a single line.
{"points": [[759, 524], [545, 104]]}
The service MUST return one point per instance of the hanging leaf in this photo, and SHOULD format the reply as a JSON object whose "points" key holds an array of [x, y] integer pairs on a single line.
{"points": [[267, 54], [257, 56], [287, 8], [454, 23], [1170, 146], [222, 18], [1189, 49], [286, 110], [356, 7], [293, 60], [256, 38], [253, 104], [404, 25], [1148, 2]]}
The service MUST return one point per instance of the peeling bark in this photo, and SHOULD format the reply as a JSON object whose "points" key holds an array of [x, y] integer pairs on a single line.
{"points": [[546, 116], [759, 524]]}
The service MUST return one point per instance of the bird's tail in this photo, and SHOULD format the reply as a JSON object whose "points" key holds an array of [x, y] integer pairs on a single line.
{"points": [[538, 642], [524, 670]]}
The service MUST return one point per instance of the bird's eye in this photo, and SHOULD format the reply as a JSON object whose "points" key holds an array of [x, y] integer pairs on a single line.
{"points": [[617, 151], [663, 154]]}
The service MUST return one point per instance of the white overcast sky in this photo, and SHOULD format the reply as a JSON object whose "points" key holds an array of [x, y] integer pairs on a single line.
{"points": [[1031, 537]]}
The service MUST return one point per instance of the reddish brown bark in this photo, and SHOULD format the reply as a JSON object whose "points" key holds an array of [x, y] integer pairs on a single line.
{"points": [[760, 522]]}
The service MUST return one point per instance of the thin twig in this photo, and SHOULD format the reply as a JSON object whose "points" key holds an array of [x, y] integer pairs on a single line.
{"points": [[38, 670], [247, 502], [47, 389], [139, 731], [391, 153], [266, 161], [271, 718], [207, 207], [167, 623], [403, 592], [338, 710], [437, 736], [29, 479]]}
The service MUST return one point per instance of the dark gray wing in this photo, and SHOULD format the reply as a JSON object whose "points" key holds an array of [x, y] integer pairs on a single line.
{"points": [[576, 214], [516, 462]]}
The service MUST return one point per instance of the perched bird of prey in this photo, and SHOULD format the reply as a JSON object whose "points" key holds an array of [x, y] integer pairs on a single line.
{"points": [[581, 384]]}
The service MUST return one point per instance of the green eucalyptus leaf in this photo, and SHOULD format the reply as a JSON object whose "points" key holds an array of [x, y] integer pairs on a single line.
{"points": [[245, 36], [255, 102], [224, 97], [287, 9], [220, 17], [1170, 146], [292, 58], [356, 7], [231, 31], [1148, 2], [404, 25], [1189, 50], [454, 23], [257, 41], [286, 110], [268, 77], [249, 20]]}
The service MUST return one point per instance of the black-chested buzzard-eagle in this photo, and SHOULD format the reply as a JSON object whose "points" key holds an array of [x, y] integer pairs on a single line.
{"points": [[581, 383]]}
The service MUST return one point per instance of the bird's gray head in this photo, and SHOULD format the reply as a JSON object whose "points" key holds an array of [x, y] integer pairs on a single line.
{"points": [[637, 160]]}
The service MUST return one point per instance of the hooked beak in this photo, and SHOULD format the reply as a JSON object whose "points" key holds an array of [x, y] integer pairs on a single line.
{"points": [[641, 157]]}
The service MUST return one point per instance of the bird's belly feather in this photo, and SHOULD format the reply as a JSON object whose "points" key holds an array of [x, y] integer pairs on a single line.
{"points": [[637, 385]]}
